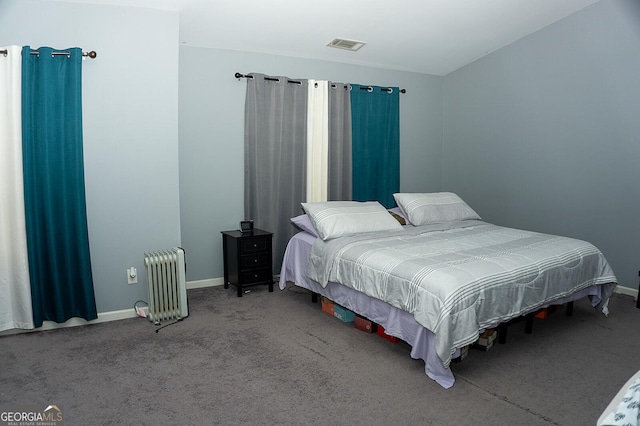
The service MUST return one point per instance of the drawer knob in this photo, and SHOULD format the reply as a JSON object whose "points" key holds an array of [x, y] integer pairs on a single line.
{"points": [[255, 260], [255, 245], [255, 276]]}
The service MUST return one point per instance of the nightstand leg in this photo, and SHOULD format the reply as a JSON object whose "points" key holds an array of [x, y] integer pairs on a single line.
{"points": [[239, 291], [270, 286]]}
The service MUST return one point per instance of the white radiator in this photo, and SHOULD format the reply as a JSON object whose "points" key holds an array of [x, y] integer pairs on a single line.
{"points": [[166, 283]]}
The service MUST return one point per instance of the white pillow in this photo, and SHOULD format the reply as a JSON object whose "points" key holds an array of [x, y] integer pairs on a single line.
{"points": [[303, 222], [334, 219], [422, 209]]}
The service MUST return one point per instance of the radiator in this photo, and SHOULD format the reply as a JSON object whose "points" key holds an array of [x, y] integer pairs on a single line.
{"points": [[166, 284]]}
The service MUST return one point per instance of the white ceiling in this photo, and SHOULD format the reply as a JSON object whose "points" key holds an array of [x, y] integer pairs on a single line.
{"points": [[425, 36]]}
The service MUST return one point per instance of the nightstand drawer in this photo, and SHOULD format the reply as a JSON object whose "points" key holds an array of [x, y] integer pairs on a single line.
{"points": [[254, 261], [249, 245], [256, 276]]}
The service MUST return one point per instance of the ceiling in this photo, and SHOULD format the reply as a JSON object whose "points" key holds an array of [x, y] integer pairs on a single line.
{"points": [[425, 36]]}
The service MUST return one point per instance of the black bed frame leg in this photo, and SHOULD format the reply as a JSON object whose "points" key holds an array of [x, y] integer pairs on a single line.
{"points": [[502, 333], [528, 324], [569, 311], [314, 297]]}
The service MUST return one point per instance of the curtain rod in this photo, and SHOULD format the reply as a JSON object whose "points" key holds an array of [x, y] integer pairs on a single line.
{"points": [[368, 88], [382, 89], [238, 75], [91, 54]]}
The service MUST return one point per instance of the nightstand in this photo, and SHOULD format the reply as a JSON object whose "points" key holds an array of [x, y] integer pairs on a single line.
{"points": [[247, 259]]}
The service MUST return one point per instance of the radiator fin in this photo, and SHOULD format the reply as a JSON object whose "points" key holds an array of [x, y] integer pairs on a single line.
{"points": [[166, 285]]}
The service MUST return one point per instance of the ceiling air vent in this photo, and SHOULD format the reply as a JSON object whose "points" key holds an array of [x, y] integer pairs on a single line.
{"points": [[341, 43]]}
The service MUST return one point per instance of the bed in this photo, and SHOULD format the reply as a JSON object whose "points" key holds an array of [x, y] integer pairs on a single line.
{"points": [[443, 277]]}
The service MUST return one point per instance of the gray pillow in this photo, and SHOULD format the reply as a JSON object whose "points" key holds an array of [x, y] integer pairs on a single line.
{"points": [[425, 208]]}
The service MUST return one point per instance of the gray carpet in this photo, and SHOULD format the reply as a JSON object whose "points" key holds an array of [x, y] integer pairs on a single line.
{"points": [[276, 358]]}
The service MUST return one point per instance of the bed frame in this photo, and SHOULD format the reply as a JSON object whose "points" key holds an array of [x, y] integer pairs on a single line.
{"points": [[502, 328]]}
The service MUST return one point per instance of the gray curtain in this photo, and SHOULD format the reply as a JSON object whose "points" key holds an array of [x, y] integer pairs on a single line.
{"points": [[275, 138], [339, 184]]}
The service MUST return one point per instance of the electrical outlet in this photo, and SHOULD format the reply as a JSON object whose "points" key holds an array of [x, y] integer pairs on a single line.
{"points": [[132, 275]]}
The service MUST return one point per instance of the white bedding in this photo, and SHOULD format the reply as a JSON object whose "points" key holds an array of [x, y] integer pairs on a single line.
{"points": [[396, 322], [459, 277]]}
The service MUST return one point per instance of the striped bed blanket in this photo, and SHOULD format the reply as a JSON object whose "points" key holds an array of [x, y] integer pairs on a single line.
{"points": [[460, 277]]}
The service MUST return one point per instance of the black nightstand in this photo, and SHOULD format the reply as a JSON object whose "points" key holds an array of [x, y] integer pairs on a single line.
{"points": [[247, 259]]}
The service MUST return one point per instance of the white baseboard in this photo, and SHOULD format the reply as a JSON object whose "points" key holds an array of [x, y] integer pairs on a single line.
{"points": [[74, 322], [130, 313], [211, 282], [626, 290], [107, 316]]}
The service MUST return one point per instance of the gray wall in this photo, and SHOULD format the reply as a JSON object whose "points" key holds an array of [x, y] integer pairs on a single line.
{"points": [[130, 107], [544, 134], [212, 137]]}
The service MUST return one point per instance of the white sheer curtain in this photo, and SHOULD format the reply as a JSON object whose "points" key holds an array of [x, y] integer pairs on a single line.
{"points": [[317, 140], [15, 290]]}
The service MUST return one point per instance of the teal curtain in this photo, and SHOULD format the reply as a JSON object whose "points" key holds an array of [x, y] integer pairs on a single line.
{"points": [[375, 115], [53, 168]]}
